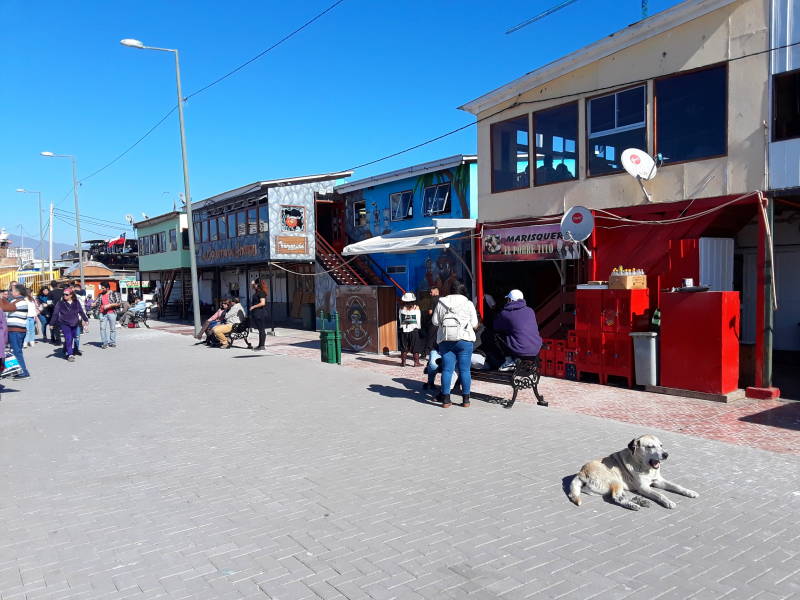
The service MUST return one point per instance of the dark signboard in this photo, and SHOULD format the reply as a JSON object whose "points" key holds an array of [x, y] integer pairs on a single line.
{"points": [[245, 249]]}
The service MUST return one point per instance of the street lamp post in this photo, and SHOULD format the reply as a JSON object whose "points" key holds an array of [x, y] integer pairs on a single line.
{"points": [[39, 194], [130, 43], [77, 208]]}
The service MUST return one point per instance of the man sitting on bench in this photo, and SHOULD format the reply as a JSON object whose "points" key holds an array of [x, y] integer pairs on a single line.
{"points": [[233, 316], [516, 331]]}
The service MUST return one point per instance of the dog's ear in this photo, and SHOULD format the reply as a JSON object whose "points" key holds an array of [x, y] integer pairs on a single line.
{"points": [[632, 444]]}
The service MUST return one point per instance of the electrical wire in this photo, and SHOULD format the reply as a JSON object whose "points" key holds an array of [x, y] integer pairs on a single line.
{"points": [[260, 54], [99, 220]]}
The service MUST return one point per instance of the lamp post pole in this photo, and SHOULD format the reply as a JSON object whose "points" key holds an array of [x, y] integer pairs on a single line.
{"points": [[39, 194], [188, 197], [77, 208]]}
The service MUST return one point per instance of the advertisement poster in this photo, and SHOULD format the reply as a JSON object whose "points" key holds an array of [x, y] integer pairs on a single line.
{"points": [[358, 318], [531, 242]]}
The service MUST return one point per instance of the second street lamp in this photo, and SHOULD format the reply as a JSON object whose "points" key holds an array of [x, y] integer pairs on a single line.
{"points": [[77, 208], [131, 43], [39, 194]]}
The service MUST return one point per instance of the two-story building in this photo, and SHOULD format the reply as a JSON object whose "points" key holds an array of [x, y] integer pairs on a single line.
{"points": [[407, 199], [689, 87]]}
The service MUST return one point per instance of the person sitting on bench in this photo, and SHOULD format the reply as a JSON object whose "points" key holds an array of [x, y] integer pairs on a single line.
{"points": [[516, 330], [137, 306], [233, 316]]}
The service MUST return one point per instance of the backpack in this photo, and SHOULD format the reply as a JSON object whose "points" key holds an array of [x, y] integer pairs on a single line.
{"points": [[451, 327]]}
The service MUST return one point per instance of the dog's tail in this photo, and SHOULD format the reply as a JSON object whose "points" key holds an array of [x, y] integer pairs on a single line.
{"points": [[575, 487]]}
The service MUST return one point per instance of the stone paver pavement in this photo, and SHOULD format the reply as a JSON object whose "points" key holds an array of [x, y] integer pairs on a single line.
{"points": [[163, 470]]}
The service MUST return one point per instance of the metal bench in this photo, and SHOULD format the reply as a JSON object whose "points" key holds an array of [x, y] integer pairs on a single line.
{"points": [[524, 375], [240, 331]]}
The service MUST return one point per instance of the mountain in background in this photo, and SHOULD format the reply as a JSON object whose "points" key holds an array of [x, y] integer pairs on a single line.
{"points": [[58, 247]]}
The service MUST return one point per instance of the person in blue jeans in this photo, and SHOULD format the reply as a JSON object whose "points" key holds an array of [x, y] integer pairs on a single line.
{"points": [[108, 302], [17, 321], [456, 319]]}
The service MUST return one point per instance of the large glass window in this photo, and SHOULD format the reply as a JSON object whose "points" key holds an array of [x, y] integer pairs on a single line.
{"points": [[241, 225], [185, 239], [786, 108], [212, 229], [222, 227], [510, 149], [173, 240], [263, 218], [162, 241], [231, 225], [197, 235], [144, 245], [691, 115], [205, 231], [402, 205], [436, 199], [556, 132], [615, 122], [252, 221]]}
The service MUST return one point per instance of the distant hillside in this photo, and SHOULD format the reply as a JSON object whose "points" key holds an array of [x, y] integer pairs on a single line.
{"points": [[58, 247]]}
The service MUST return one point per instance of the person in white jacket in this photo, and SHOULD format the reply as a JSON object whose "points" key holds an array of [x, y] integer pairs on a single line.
{"points": [[457, 320]]}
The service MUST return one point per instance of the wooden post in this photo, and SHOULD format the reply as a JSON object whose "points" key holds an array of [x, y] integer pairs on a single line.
{"points": [[478, 270]]}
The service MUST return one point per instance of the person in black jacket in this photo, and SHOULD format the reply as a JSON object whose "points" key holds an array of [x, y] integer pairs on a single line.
{"points": [[55, 295]]}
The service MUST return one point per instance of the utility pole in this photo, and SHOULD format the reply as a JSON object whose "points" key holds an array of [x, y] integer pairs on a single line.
{"points": [[50, 236]]}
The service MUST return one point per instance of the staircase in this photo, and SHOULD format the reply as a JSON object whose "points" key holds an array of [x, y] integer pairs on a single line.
{"points": [[556, 315], [353, 270]]}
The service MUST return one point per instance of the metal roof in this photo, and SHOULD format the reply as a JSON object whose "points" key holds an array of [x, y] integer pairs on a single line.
{"points": [[631, 35], [415, 171]]}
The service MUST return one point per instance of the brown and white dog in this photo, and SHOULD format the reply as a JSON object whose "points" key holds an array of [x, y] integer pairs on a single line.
{"points": [[636, 469]]}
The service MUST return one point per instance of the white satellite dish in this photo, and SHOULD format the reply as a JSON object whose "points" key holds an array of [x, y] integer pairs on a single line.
{"points": [[129, 218], [640, 165], [577, 225]]}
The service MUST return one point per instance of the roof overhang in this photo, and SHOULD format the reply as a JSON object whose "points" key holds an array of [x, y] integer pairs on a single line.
{"points": [[415, 171], [631, 35], [407, 241], [156, 220]]}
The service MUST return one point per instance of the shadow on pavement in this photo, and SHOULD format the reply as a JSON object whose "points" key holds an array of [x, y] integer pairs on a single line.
{"points": [[786, 416], [382, 361], [313, 344], [411, 390]]}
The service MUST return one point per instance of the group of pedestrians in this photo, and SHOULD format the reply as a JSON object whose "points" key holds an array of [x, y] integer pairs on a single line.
{"points": [[450, 332], [64, 309], [231, 313]]}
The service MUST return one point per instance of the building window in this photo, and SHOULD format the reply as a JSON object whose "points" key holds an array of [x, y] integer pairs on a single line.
{"points": [[396, 269], [510, 150], [436, 199], [231, 225], [556, 134], [241, 225], [691, 115], [185, 239], [204, 233], [263, 218], [252, 221], [162, 241], [360, 213], [144, 244], [222, 227], [402, 205], [212, 230], [616, 122], [786, 106], [173, 240], [197, 230]]}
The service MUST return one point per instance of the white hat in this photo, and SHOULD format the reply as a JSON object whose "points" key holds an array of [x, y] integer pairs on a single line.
{"points": [[409, 297], [515, 295]]}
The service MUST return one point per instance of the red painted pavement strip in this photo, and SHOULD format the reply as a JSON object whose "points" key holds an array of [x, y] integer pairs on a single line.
{"points": [[767, 424]]}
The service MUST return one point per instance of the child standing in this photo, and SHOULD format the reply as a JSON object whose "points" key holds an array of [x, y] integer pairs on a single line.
{"points": [[410, 325]]}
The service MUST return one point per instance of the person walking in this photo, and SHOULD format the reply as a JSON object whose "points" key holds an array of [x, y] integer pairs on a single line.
{"points": [[457, 320], [258, 311], [45, 309], [17, 308], [55, 296], [108, 302], [69, 315], [3, 336], [30, 326]]}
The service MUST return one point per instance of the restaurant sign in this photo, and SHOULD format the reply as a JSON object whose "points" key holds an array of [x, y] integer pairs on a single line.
{"points": [[246, 249], [532, 242]]}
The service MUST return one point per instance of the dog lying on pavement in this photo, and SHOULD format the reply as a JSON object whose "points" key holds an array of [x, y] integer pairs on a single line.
{"points": [[636, 469]]}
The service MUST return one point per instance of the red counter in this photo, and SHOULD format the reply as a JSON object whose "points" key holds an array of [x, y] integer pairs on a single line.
{"points": [[700, 341]]}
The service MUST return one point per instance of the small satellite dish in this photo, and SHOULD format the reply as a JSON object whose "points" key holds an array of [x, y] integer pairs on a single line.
{"points": [[641, 166], [129, 218], [577, 225]]}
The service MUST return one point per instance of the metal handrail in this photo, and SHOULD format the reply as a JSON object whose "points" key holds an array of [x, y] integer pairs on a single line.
{"points": [[386, 275], [345, 266]]}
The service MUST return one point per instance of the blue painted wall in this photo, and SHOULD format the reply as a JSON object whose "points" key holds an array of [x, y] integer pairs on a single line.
{"points": [[421, 268]]}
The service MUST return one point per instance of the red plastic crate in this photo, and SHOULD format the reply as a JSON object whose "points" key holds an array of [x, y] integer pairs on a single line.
{"points": [[560, 369], [549, 367], [561, 350], [572, 340]]}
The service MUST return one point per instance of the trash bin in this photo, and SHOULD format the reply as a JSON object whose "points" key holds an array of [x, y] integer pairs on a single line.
{"points": [[645, 357], [330, 341]]}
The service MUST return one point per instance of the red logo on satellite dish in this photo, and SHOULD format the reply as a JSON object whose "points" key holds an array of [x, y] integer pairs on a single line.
{"points": [[635, 159], [577, 218]]}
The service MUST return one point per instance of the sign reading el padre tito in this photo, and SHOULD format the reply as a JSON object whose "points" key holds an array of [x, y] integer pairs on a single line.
{"points": [[532, 242]]}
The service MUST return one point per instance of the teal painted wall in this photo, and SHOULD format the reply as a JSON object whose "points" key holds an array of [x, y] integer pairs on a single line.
{"points": [[163, 261]]}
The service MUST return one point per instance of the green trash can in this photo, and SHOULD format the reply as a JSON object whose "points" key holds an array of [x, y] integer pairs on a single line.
{"points": [[330, 342]]}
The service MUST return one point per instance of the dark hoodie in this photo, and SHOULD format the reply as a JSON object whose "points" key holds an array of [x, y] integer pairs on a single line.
{"points": [[517, 322]]}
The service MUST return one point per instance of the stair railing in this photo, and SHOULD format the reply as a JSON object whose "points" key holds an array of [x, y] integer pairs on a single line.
{"points": [[343, 264]]}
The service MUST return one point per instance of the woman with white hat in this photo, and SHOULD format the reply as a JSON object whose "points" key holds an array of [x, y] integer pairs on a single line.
{"points": [[410, 324]]}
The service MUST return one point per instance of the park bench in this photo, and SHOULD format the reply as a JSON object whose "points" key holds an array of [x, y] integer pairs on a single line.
{"points": [[240, 331], [524, 375]]}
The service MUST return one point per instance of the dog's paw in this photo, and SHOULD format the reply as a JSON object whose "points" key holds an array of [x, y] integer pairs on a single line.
{"points": [[691, 494], [669, 503], [641, 502]]}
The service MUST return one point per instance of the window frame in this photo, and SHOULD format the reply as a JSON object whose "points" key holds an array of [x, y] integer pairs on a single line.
{"points": [[727, 99], [493, 189], [532, 137], [625, 128], [263, 224], [173, 240], [410, 205], [357, 212], [774, 107], [448, 202], [241, 220], [222, 227]]}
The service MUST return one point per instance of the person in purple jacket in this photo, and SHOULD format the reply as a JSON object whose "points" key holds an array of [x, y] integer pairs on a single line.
{"points": [[69, 315], [516, 330]]}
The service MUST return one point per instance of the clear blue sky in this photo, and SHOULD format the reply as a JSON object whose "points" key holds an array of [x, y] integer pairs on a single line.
{"points": [[369, 78]]}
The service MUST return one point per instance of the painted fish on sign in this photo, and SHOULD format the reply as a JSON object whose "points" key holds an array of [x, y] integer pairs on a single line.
{"points": [[532, 242]]}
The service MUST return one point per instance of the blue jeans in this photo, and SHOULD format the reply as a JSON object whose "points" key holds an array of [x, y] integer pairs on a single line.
{"points": [[30, 337], [108, 329], [432, 366], [43, 323], [456, 355], [15, 340]]}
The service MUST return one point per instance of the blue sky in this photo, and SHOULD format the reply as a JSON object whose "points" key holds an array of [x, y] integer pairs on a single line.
{"points": [[369, 78]]}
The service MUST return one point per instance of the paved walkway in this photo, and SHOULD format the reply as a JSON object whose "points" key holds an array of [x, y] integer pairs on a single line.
{"points": [[771, 425]]}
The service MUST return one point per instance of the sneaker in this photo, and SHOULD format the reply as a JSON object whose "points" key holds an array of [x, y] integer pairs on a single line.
{"points": [[71, 358], [259, 349], [78, 353], [112, 345], [104, 346], [23, 376], [508, 365]]}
